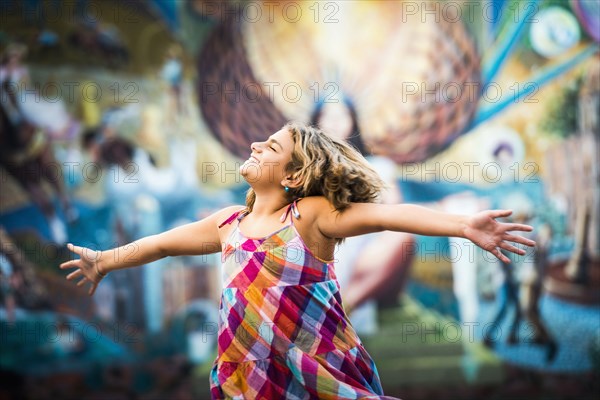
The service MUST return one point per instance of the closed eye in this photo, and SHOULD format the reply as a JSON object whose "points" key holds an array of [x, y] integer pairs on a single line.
{"points": [[272, 142]]}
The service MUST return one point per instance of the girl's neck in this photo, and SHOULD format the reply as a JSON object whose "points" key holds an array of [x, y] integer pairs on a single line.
{"points": [[267, 204]]}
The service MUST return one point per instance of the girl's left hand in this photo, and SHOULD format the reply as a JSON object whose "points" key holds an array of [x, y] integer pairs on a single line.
{"points": [[491, 235]]}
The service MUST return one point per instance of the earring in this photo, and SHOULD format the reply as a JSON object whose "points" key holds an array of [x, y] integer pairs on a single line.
{"points": [[287, 189]]}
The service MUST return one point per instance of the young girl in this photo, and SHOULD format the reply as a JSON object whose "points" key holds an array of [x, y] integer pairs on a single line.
{"points": [[283, 332]]}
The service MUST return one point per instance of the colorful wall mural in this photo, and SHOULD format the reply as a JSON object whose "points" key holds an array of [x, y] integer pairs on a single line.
{"points": [[120, 120]]}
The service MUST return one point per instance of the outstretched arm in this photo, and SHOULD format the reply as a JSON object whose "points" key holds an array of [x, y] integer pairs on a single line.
{"points": [[197, 238], [481, 228]]}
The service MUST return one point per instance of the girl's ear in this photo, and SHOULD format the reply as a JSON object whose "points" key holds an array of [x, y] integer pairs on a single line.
{"points": [[291, 182]]}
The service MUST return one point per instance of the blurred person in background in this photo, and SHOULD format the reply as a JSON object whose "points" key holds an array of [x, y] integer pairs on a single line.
{"points": [[25, 152]]}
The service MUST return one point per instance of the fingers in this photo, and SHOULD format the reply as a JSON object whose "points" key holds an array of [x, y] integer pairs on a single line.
{"points": [[496, 252], [75, 249], [518, 227], [74, 274], [84, 252], [500, 213], [519, 239], [78, 273], [512, 248], [68, 264], [83, 281]]}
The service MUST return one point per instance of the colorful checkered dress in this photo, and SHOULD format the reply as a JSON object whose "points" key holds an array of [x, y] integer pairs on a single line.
{"points": [[282, 330]]}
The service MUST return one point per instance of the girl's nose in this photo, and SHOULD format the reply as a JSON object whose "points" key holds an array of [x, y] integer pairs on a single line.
{"points": [[255, 146]]}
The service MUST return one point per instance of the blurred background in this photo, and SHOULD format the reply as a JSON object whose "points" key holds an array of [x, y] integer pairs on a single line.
{"points": [[122, 119]]}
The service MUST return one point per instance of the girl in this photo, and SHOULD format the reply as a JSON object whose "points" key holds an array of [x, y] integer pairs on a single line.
{"points": [[283, 332]]}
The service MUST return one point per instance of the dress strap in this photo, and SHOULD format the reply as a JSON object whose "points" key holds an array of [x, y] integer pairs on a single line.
{"points": [[236, 215], [293, 207]]}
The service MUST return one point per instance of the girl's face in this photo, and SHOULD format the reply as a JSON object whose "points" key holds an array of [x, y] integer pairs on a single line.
{"points": [[335, 119], [268, 160]]}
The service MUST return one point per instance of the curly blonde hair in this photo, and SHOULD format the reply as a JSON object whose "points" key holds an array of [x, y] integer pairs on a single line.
{"points": [[329, 167]]}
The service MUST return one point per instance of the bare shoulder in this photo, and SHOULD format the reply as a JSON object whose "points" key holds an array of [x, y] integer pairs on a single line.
{"points": [[313, 206], [316, 203], [221, 217], [224, 213], [311, 210], [314, 209]]}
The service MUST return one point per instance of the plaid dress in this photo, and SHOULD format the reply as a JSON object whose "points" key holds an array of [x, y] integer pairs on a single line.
{"points": [[283, 332]]}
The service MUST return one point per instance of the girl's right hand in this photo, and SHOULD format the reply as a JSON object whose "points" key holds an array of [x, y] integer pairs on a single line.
{"points": [[87, 267]]}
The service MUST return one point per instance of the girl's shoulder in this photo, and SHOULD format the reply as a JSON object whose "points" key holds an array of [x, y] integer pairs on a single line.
{"points": [[313, 205], [227, 214], [314, 201]]}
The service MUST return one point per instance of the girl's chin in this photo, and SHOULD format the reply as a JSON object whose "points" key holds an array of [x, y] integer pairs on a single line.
{"points": [[249, 170], [249, 166]]}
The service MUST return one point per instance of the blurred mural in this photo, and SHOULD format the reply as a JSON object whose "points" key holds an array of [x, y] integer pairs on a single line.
{"points": [[124, 119]]}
